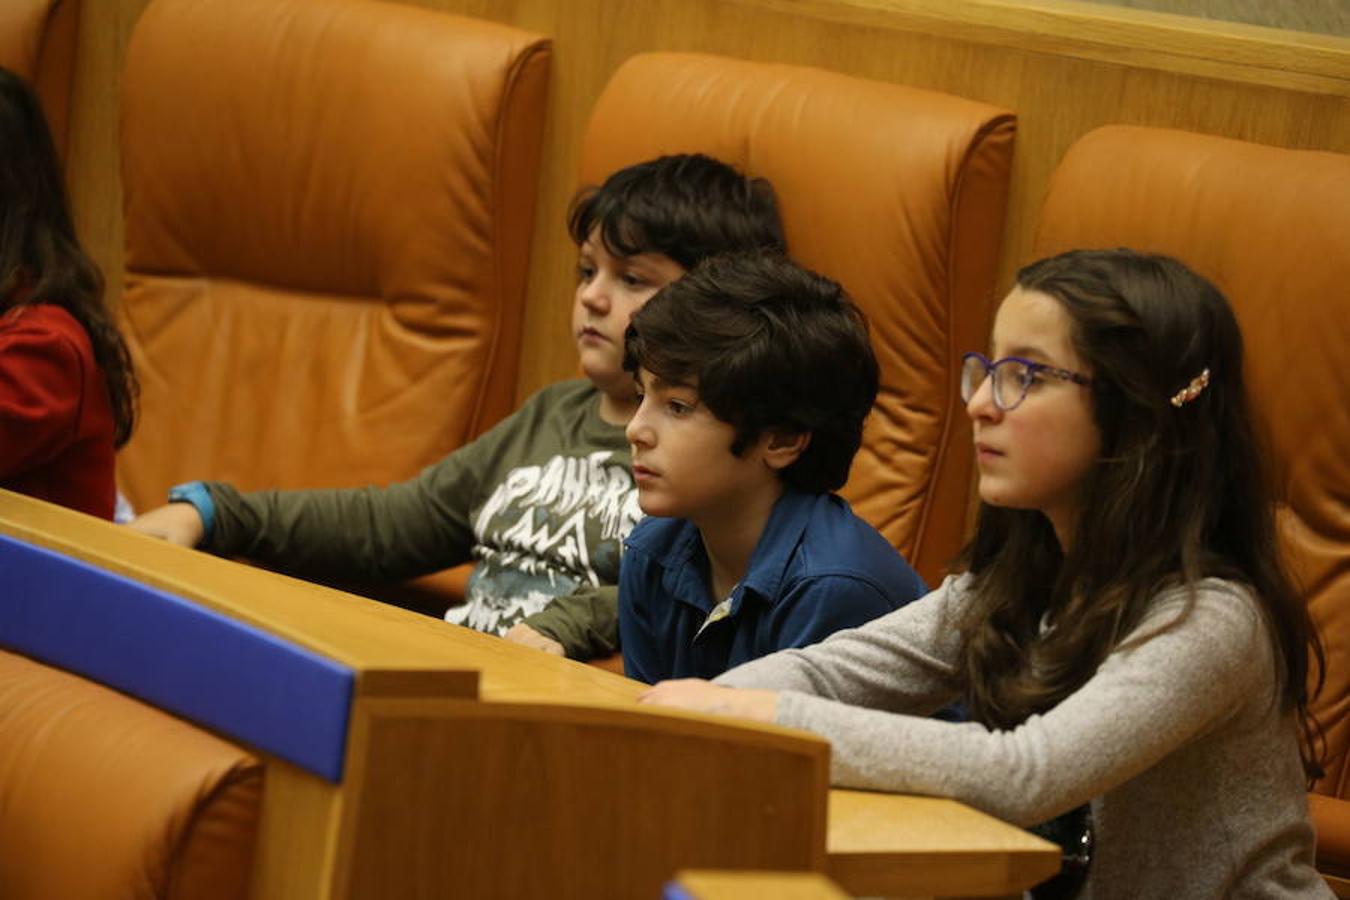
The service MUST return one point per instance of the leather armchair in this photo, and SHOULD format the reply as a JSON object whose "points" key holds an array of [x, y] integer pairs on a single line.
{"points": [[1268, 226], [105, 796], [37, 41], [899, 194], [328, 213]]}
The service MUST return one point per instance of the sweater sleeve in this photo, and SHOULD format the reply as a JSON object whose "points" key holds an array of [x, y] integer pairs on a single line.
{"points": [[1180, 675], [41, 391], [903, 661], [371, 533]]}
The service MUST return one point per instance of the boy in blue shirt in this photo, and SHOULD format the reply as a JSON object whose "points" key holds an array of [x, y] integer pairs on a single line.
{"points": [[754, 378]]}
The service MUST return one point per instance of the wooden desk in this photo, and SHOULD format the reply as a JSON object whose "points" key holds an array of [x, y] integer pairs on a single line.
{"points": [[892, 844], [553, 752], [706, 885]]}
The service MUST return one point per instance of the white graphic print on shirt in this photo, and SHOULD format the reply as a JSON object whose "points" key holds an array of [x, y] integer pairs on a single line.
{"points": [[545, 530]]}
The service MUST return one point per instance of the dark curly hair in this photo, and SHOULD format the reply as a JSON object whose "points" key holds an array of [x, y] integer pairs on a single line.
{"points": [[770, 346], [687, 207]]}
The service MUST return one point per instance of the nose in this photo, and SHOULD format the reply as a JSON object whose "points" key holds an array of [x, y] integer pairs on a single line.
{"points": [[594, 294], [639, 431], [981, 405]]}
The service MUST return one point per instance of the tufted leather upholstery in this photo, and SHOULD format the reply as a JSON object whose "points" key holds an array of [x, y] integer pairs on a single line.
{"points": [[1269, 226], [103, 796], [37, 41], [897, 193], [328, 212]]}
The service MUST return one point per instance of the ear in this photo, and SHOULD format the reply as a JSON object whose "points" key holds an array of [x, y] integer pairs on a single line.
{"points": [[780, 449]]}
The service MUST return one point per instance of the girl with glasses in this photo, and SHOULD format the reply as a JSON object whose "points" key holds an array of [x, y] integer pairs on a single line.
{"points": [[1121, 631]]}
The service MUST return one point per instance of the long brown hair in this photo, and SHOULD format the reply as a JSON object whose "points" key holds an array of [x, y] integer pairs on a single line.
{"points": [[1179, 494], [41, 260]]}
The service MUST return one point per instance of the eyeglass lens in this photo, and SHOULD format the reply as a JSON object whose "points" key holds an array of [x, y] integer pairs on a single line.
{"points": [[1010, 380]]}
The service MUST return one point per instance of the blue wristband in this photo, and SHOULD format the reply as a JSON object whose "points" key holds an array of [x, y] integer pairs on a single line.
{"points": [[195, 492]]}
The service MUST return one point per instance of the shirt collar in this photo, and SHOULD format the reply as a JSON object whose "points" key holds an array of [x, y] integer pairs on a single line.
{"points": [[684, 556], [777, 545]]}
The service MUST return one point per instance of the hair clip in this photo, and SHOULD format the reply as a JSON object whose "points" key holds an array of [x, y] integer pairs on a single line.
{"points": [[1192, 390]]}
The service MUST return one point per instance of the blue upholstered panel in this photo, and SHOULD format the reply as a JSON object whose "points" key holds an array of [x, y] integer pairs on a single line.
{"points": [[180, 657]]}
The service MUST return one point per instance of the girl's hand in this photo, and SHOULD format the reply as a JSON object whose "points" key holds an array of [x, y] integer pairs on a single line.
{"points": [[701, 696]]}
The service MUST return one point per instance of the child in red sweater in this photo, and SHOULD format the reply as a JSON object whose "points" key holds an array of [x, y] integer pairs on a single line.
{"points": [[67, 390]]}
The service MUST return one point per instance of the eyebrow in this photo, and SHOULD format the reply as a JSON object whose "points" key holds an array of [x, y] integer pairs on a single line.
{"points": [[1035, 354], [645, 259], [659, 383], [594, 246]]}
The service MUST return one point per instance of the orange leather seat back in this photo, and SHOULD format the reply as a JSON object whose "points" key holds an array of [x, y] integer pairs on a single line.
{"points": [[328, 214], [37, 41], [104, 796], [1269, 226], [895, 192]]}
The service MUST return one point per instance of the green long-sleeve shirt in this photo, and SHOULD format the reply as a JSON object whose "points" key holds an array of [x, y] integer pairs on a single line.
{"points": [[585, 622], [542, 502]]}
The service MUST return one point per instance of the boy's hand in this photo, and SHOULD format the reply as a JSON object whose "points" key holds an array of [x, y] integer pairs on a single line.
{"points": [[520, 633], [702, 696], [177, 523]]}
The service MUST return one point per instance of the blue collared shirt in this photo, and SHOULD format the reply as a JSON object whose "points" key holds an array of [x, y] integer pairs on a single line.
{"points": [[816, 569]]}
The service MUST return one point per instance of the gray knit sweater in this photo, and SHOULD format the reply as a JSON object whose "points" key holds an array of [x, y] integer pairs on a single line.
{"points": [[1193, 773]]}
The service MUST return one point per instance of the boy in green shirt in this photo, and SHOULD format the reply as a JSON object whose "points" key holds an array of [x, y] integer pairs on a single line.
{"points": [[543, 500]]}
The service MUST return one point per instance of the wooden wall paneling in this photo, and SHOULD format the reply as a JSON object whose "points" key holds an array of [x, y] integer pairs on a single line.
{"points": [[1321, 16], [92, 167], [55, 72]]}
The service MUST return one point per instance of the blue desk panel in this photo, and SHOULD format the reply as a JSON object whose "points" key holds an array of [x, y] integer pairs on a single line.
{"points": [[171, 653]]}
